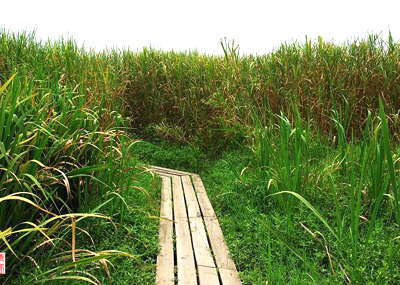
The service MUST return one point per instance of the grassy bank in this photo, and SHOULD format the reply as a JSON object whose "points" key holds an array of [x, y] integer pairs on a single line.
{"points": [[336, 224], [298, 149]]}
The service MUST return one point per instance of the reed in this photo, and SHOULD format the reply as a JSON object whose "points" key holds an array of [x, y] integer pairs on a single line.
{"points": [[212, 97], [63, 151], [321, 119], [362, 181]]}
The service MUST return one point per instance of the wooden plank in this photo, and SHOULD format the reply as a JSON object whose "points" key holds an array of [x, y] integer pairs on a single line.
{"points": [[208, 275], [201, 246], [166, 198], [229, 277], [218, 245], [184, 252], [165, 258], [191, 200], [179, 199], [162, 174], [170, 171], [205, 204], [226, 265], [191, 206]]}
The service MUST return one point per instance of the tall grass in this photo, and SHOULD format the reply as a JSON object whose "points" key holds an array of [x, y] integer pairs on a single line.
{"points": [[321, 119], [361, 178], [212, 98], [63, 156]]}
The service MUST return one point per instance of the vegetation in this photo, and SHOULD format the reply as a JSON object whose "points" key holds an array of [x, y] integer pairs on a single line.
{"points": [[63, 161], [298, 148]]}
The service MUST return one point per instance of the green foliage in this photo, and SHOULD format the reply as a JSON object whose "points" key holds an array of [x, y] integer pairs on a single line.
{"points": [[313, 181], [326, 237], [64, 157], [357, 174], [211, 100], [160, 153]]}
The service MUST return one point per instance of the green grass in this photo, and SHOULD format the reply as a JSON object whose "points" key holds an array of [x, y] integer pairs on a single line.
{"points": [[269, 243], [171, 155], [299, 150], [213, 101], [65, 163], [137, 234], [307, 237]]}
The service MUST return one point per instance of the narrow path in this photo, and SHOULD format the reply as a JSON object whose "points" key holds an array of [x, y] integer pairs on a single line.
{"points": [[198, 254]]}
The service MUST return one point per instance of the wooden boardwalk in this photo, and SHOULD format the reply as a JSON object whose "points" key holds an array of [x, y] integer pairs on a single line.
{"points": [[198, 254]]}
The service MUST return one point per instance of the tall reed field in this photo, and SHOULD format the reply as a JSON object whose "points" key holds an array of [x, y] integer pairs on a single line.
{"points": [[213, 99], [309, 134], [64, 162], [349, 186]]}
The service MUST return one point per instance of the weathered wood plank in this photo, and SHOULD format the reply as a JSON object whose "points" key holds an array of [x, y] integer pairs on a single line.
{"points": [[191, 200], [229, 277], [184, 252], [201, 246], [208, 276], [166, 198], [218, 245], [169, 171], [179, 198], [205, 204], [194, 217], [162, 174], [165, 258]]}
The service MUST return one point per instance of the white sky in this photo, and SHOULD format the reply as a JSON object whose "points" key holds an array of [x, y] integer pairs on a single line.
{"points": [[257, 26]]}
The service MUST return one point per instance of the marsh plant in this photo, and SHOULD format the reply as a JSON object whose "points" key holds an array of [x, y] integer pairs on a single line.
{"points": [[63, 159], [321, 121]]}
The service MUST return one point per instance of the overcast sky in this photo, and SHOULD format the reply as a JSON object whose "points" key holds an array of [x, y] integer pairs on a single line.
{"points": [[257, 26]]}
